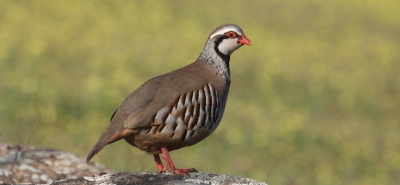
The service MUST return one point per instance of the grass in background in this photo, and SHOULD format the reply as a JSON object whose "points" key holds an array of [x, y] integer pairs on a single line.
{"points": [[315, 100]]}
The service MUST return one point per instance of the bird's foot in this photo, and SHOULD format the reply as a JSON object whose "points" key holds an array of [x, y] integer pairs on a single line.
{"points": [[163, 170], [183, 171], [178, 171], [170, 165]]}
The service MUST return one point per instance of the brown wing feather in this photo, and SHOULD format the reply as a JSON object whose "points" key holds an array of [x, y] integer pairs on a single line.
{"points": [[175, 84]]}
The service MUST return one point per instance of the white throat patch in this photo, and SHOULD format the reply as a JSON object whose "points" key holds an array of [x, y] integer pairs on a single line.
{"points": [[227, 46]]}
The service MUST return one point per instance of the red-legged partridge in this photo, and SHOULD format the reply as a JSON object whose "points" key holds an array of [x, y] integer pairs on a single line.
{"points": [[179, 108]]}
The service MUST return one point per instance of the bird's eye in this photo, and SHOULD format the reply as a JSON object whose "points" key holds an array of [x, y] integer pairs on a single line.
{"points": [[231, 34]]}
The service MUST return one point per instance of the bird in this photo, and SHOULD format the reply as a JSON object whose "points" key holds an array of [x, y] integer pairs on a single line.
{"points": [[179, 108]]}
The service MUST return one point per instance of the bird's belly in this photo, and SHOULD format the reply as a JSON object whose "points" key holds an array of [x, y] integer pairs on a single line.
{"points": [[172, 136]]}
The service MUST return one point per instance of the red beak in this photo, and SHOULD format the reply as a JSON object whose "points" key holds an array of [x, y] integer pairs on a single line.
{"points": [[244, 40]]}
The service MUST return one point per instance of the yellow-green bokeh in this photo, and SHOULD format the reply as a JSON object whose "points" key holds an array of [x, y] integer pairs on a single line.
{"points": [[315, 100]]}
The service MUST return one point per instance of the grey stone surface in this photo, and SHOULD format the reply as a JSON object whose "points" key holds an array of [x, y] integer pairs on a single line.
{"points": [[197, 178], [26, 164], [31, 165]]}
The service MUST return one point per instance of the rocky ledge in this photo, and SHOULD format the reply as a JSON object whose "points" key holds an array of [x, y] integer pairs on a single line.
{"points": [[31, 165], [197, 178]]}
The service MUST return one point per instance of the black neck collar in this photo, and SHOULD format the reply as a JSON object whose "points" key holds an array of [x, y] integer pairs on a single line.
{"points": [[224, 57]]}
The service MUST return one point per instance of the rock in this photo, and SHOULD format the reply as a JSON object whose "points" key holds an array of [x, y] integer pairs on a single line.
{"points": [[197, 178], [26, 164]]}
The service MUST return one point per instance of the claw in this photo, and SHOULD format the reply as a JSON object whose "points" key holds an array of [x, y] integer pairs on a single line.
{"points": [[170, 165], [184, 171]]}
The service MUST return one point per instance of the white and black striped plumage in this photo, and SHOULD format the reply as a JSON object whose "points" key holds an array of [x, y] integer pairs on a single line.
{"points": [[179, 108]]}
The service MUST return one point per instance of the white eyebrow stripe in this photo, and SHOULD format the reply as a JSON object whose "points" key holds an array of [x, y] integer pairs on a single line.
{"points": [[224, 30]]}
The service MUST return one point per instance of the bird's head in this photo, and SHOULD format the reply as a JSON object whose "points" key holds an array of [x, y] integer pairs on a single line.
{"points": [[227, 38]]}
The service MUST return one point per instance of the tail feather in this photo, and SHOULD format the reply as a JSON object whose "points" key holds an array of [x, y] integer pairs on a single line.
{"points": [[91, 154], [100, 144], [109, 136]]}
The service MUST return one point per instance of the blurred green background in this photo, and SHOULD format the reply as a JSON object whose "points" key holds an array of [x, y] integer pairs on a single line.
{"points": [[315, 100]]}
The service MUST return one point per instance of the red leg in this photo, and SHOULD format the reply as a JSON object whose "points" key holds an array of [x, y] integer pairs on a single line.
{"points": [[160, 166], [171, 166]]}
